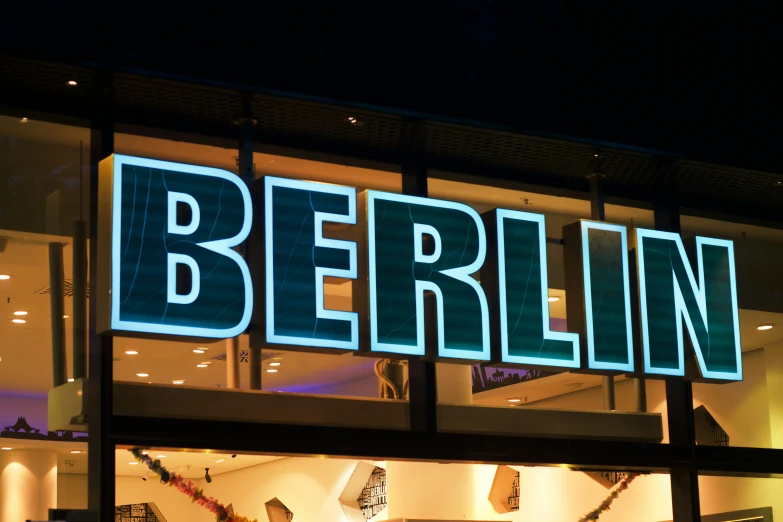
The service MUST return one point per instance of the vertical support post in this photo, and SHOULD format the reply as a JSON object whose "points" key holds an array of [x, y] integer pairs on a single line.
{"points": [[421, 373], [598, 213], [56, 299], [247, 173], [79, 313], [232, 363], [679, 406], [100, 447]]}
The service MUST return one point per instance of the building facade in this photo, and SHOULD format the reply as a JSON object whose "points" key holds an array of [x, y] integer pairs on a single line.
{"points": [[352, 428]]}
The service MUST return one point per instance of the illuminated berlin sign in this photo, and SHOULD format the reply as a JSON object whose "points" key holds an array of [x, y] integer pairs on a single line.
{"points": [[428, 277]]}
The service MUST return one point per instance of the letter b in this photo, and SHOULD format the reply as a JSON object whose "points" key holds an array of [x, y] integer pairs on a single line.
{"points": [[168, 220]]}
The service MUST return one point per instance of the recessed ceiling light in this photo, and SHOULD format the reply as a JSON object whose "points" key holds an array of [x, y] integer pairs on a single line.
{"points": [[350, 120], [198, 350], [75, 452], [219, 461], [4, 277], [178, 382], [131, 352], [23, 120], [765, 327], [277, 363], [66, 316], [553, 298], [6, 448], [272, 370], [514, 399], [18, 321], [20, 312], [202, 365], [142, 375], [73, 83], [160, 457], [70, 380], [132, 463], [145, 452]]}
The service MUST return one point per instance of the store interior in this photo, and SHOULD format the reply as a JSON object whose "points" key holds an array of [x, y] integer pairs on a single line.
{"points": [[41, 469]]}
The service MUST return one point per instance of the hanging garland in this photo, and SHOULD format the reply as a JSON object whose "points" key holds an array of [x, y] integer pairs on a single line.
{"points": [[187, 487], [605, 505]]}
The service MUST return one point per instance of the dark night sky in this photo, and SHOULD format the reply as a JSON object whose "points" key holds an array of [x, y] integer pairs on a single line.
{"points": [[697, 77]]}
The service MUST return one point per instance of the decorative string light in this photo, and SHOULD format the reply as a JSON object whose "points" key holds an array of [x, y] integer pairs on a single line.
{"points": [[187, 487], [606, 504]]}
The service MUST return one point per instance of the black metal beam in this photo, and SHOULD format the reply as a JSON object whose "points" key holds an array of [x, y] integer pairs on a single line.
{"points": [[100, 449], [277, 439], [421, 373], [679, 407]]}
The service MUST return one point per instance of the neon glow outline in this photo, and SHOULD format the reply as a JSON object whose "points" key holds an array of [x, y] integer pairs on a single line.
{"points": [[320, 272], [460, 274], [681, 311], [501, 215], [220, 246], [588, 293]]}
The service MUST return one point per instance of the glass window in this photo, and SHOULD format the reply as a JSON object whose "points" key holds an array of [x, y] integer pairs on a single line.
{"points": [[44, 191], [265, 487], [749, 412], [287, 372], [543, 387]]}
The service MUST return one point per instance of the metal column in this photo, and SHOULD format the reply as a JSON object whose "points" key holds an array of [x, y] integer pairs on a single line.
{"points": [[421, 373], [247, 173], [679, 406], [79, 313], [100, 448], [56, 300]]}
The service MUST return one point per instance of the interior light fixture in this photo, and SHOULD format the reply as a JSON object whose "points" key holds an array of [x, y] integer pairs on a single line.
{"points": [[765, 327], [131, 352], [199, 350], [276, 363], [272, 370], [219, 461], [145, 452], [75, 452], [514, 399], [4, 277], [160, 457], [66, 316], [207, 477], [553, 299], [142, 375], [202, 365], [70, 380], [23, 120], [20, 312], [178, 382], [73, 83], [350, 120], [6, 448], [132, 463], [18, 321]]}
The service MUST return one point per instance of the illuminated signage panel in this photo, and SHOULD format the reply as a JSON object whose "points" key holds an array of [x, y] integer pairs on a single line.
{"points": [[437, 279]]}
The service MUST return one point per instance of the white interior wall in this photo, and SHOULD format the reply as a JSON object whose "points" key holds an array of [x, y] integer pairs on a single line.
{"points": [[71, 491]]}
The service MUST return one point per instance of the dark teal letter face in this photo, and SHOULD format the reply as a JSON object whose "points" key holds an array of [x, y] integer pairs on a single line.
{"points": [[525, 337], [155, 254], [400, 272], [607, 298], [298, 257], [670, 297]]}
